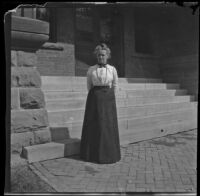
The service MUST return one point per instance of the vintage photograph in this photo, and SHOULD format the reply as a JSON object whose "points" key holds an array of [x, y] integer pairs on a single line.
{"points": [[104, 98]]}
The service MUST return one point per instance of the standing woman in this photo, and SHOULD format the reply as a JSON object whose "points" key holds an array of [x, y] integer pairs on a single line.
{"points": [[100, 135]]}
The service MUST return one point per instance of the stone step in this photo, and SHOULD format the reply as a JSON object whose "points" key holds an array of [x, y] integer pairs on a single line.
{"points": [[156, 92], [78, 80], [80, 103], [69, 147], [131, 111], [161, 125], [145, 86], [182, 80], [140, 80], [74, 128], [51, 150], [122, 86], [131, 136], [51, 95]]}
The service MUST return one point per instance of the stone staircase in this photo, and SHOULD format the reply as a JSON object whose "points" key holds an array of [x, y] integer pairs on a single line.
{"points": [[147, 108]]}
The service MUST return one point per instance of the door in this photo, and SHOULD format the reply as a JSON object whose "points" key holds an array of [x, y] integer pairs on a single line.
{"points": [[95, 25]]}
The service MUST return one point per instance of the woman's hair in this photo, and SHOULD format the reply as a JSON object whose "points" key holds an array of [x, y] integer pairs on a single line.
{"points": [[100, 47]]}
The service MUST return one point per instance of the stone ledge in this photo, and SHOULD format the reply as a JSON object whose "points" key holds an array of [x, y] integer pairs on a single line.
{"points": [[52, 46], [28, 120], [29, 25]]}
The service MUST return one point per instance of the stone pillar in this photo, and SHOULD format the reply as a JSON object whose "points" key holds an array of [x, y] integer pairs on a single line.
{"points": [[29, 120]]}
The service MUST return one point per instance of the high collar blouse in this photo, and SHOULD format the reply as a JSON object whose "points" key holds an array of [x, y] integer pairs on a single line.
{"points": [[102, 76]]}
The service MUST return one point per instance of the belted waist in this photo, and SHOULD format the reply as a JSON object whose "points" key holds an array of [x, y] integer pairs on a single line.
{"points": [[100, 87]]}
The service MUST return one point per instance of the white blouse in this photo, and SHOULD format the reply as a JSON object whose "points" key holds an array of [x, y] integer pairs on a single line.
{"points": [[104, 76]]}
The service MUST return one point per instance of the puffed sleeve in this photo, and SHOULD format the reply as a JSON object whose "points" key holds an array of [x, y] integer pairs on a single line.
{"points": [[115, 80], [89, 79]]}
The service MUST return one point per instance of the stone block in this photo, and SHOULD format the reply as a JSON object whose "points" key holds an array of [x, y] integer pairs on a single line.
{"points": [[13, 58], [72, 147], [26, 24], [42, 152], [59, 133], [15, 104], [42, 136], [21, 58], [28, 120], [25, 77], [19, 140], [51, 150], [51, 45], [26, 59], [31, 98], [27, 40]]}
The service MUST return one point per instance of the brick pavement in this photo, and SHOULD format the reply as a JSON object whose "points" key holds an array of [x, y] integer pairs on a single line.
{"points": [[166, 164]]}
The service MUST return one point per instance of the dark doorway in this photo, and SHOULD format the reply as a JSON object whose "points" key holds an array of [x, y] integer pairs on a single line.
{"points": [[95, 25]]}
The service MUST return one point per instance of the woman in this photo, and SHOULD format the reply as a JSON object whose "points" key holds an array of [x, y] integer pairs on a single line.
{"points": [[100, 136]]}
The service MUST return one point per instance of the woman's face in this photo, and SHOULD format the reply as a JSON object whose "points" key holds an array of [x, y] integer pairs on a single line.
{"points": [[102, 57]]}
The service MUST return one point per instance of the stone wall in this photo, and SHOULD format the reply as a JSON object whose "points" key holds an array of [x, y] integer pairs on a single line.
{"points": [[138, 64], [29, 120], [56, 59], [179, 48]]}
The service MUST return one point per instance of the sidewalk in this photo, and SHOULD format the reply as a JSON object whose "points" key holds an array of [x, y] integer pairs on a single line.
{"points": [[166, 164]]}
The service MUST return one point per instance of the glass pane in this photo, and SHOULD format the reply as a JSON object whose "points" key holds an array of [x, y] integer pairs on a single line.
{"points": [[84, 19], [83, 12]]}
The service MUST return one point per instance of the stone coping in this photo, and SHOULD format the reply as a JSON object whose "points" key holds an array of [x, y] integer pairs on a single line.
{"points": [[25, 24], [52, 46]]}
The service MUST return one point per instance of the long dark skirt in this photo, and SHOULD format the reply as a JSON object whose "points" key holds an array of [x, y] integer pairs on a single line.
{"points": [[100, 135]]}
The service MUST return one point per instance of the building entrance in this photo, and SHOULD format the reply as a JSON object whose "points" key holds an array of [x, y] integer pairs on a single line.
{"points": [[93, 26]]}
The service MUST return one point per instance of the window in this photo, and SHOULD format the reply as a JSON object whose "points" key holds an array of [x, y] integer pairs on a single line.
{"points": [[84, 25], [143, 41], [83, 12]]}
